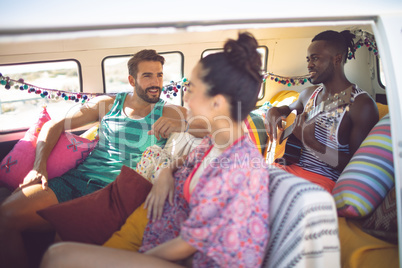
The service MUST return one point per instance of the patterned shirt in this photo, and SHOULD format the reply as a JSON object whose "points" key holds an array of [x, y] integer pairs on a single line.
{"points": [[227, 218]]}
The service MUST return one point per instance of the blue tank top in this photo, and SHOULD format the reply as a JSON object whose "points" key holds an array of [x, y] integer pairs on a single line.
{"points": [[122, 140]]}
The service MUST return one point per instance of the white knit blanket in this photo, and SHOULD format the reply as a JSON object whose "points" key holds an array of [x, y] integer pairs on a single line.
{"points": [[303, 223]]}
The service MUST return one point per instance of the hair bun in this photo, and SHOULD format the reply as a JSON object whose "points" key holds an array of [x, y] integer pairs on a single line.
{"points": [[243, 54]]}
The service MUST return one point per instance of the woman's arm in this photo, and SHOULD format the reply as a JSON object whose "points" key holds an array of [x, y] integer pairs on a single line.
{"points": [[163, 188]]}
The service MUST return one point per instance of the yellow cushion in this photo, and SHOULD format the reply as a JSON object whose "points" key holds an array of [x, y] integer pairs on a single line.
{"points": [[359, 249], [129, 237], [91, 133], [382, 110], [284, 97]]}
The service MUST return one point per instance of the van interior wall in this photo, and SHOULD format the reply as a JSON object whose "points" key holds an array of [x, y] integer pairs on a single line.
{"points": [[287, 51]]}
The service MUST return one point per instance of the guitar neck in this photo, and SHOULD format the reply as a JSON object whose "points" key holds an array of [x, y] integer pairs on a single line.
{"points": [[315, 111], [310, 115], [330, 104]]}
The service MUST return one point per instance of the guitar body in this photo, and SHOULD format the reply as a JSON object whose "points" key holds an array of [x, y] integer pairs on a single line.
{"points": [[287, 148], [290, 151], [278, 146]]}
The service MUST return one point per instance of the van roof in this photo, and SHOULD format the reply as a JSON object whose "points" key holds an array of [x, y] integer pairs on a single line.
{"points": [[27, 17]]}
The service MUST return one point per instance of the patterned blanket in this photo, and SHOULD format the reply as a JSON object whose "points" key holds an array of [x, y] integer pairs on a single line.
{"points": [[303, 224]]}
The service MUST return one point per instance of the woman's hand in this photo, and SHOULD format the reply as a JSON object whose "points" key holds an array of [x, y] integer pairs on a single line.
{"points": [[163, 188]]}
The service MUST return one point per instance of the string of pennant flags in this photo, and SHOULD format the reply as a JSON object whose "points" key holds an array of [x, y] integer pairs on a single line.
{"points": [[170, 90], [364, 39]]}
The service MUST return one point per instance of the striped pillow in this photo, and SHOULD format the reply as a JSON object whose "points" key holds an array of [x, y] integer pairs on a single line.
{"points": [[256, 128], [369, 176]]}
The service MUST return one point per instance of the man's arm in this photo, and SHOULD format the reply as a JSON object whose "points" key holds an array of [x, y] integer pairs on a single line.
{"points": [[51, 131], [274, 116], [174, 119], [364, 115]]}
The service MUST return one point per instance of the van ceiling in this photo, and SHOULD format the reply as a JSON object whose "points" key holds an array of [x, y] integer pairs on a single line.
{"points": [[26, 16]]}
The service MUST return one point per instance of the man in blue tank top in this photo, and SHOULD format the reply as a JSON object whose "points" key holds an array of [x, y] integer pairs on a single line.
{"points": [[329, 140], [129, 123]]}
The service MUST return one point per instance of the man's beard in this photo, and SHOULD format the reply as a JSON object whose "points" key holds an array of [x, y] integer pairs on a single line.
{"points": [[142, 93]]}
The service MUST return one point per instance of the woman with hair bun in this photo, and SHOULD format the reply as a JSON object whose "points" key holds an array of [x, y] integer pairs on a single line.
{"points": [[219, 214]]}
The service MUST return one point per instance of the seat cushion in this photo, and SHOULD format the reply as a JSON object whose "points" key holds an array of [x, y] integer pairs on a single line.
{"points": [[69, 151], [95, 217]]}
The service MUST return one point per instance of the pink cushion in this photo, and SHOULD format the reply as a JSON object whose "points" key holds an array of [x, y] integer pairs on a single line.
{"points": [[69, 151], [95, 217]]}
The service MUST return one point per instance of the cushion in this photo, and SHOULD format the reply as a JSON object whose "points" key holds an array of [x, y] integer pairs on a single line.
{"points": [[359, 249], [369, 176], [69, 151], [284, 97], [256, 127], [153, 159], [303, 223], [383, 223], [382, 110], [95, 217], [91, 133], [130, 235], [181, 143]]}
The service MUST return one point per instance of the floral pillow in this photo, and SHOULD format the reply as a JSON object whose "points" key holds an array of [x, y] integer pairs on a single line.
{"points": [[69, 151], [153, 159]]}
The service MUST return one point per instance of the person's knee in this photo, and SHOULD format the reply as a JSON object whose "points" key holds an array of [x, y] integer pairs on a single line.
{"points": [[18, 212], [55, 254]]}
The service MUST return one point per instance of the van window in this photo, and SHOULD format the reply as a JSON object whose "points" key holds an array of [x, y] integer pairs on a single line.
{"points": [[381, 76], [263, 50], [19, 107], [115, 74]]}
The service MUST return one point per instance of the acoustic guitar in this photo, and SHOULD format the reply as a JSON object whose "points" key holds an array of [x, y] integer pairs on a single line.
{"points": [[286, 150]]}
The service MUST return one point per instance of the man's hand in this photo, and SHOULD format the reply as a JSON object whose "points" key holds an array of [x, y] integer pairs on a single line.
{"points": [[164, 126], [163, 188], [273, 120], [34, 177], [299, 126]]}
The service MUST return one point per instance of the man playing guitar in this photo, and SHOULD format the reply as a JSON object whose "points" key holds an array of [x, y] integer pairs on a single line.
{"points": [[329, 140]]}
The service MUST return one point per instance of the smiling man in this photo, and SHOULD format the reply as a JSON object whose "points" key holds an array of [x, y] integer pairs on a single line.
{"points": [[329, 139], [129, 123]]}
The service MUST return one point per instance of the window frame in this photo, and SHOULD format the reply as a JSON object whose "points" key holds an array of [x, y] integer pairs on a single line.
{"points": [[380, 82], [130, 55], [50, 61], [80, 84]]}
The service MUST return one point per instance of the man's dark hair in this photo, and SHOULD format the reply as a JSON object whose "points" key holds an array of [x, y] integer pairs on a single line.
{"points": [[143, 55], [342, 41]]}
